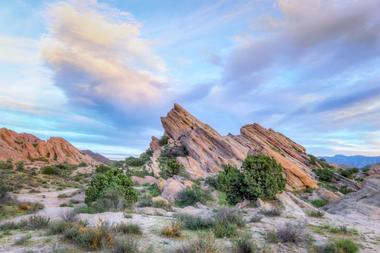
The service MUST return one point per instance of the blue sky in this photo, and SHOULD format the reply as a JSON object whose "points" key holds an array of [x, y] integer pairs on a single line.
{"points": [[101, 73]]}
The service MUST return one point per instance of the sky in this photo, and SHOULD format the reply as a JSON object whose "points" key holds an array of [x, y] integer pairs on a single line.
{"points": [[101, 73]]}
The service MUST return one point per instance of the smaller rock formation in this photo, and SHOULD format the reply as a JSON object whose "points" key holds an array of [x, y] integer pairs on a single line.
{"points": [[28, 148]]}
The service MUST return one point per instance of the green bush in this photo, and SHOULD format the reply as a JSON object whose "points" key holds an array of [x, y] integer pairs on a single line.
{"points": [[192, 195], [127, 245], [101, 168], [170, 167], [111, 181], [316, 214], [222, 230], [348, 172], [20, 165], [261, 177], [50, 170], [6, 165], [164, 140], [339, 246], [205, 243], [244, 244], [319, 202], [153, 190], [38, 222], [230, 181], [192, 222], [128, 228], [325, 174], [3, 191], [134, 161]]}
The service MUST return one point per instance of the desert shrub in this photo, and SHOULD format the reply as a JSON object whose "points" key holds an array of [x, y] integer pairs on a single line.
{"points": [[348, 172], [230, 181], [212, 181], [23, 239], [192, 195], [145, 200], [163, 204], [222, 230], [20, 165], [38, 222], [261, 177], [111, 199], [193, 222], [91, 238], [244, 244], [61, 169], [341, 230], [339, 246], [128, 228], [345, 190], [170, 167], [229, 215], [154, 190], [6, 165], [50, 170], [272, 212], [256, 218], [106, 184], [82, 164], [127, 245], [164, 140], [58, 227], [325, 174], [174, 230], [69, 216], [134, 161], [319, 202], [205, 243], [290, 233], [3, 191], [316, 214], [102, 168]]}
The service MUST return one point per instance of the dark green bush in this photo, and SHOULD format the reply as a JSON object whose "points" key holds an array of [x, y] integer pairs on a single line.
{"points": [[192, 195], [20, 165], [349, 173], [222, 230], [134, 161], [102, 168], [339, 246], [325, 174], [154, 190], [319, 202], [50, 170], [61, 169], [164, 140], [3, 191], [111, 181], [230, 181], [170, 167], [6, 165], [193, 222], [261, 177]]}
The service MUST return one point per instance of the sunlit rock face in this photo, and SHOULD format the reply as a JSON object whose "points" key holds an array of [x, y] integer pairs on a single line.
{"points": [[28, 148], [207, 151]]}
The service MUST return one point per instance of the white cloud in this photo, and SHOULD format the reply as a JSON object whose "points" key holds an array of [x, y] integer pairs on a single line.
{"points": [[99, 57]]}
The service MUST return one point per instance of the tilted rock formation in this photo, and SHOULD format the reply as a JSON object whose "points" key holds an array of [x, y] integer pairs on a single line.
{"points": [[208, 151], [97, 157], [28, 148]]}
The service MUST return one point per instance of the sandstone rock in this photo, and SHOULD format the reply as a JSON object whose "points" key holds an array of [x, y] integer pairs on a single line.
{"points": [[208, 151], [29, 148], [172, 186], [144, 180]]}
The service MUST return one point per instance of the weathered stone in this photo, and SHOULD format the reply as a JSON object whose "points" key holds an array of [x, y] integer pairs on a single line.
{"points": [[144, 180], [29, 148], [208, 151]]}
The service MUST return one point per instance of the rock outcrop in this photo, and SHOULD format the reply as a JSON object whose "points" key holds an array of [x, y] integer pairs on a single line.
{"points": [[207, 151], [97, 157], [28, 148]]}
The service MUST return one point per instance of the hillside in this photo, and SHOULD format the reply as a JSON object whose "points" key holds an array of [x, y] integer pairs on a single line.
{"points": [[28, 148]]}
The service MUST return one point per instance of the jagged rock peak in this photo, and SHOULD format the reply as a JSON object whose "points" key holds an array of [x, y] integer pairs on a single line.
{"points": [[28, 148], [208, 151]]}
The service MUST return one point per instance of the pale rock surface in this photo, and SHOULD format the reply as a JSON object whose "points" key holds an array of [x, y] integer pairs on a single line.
{"points": [[208, 151], [144, 180]]}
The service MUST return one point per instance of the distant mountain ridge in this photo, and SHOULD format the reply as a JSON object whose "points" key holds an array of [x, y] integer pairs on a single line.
{"points": [[97, 157], [358, 161], [28, 148]]}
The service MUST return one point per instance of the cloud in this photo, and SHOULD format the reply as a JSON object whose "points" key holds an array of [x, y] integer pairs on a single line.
{"points": [[99, 58]]}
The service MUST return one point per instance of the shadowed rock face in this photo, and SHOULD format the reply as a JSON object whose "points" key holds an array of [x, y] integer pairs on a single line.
{"points": [[208, 151], [29, 148]]}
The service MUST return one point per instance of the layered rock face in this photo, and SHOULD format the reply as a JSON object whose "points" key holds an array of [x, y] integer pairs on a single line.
{"points": [[29, 148], [208, 151]]}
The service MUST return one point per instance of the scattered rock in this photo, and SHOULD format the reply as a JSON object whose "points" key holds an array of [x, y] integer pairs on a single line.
{"points": [[144, 180]]}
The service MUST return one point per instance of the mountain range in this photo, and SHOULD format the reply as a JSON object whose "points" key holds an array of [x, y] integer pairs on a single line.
{"points": [[358, 161]]}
